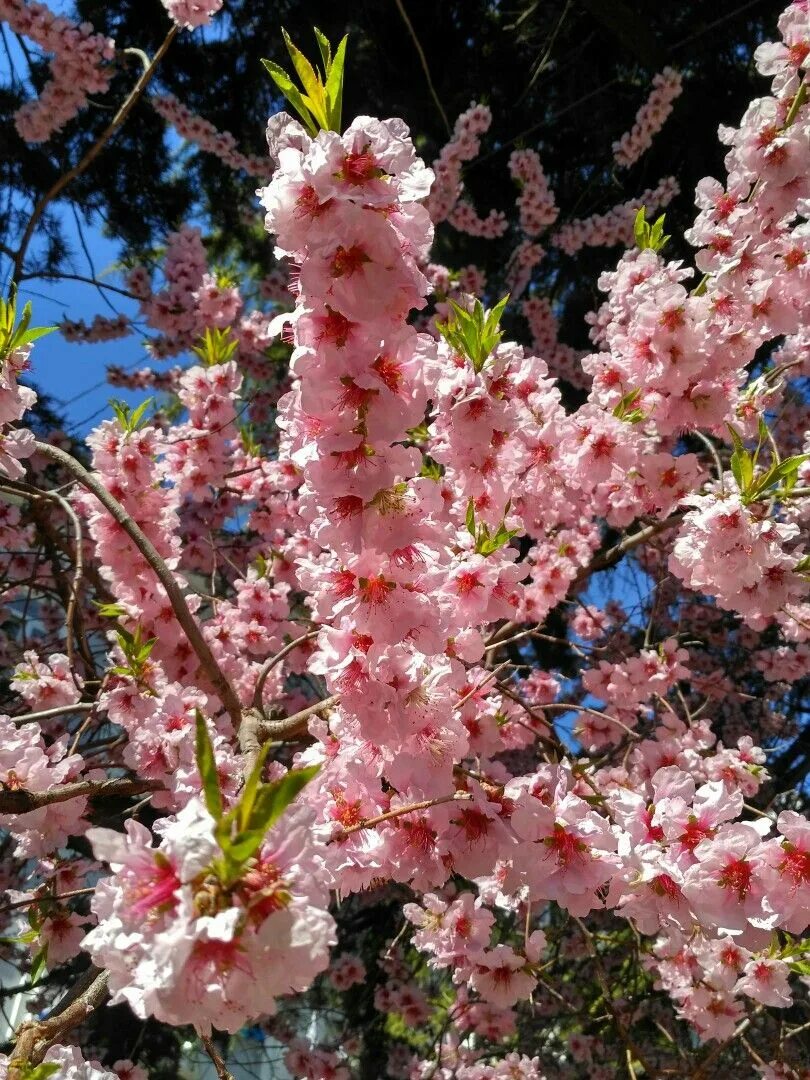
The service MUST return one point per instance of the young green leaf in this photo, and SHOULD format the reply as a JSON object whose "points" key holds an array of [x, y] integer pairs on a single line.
{"points": [[39, 1072], [292, 94], [315, 99], [273, 799], [334, 86], [324, 48], [39, 964], [469, 519], [207, 766]]}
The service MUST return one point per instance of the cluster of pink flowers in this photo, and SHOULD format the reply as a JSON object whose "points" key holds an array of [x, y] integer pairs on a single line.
{"points": [[466, 219], [425, 507], [650, 118], [143, 378], [15, 400], [81, 65], [199, 950], [625, 688], [535, 203], [463, 146], [102, 328], [615, 226], [203, 134], [189, 14], [27, 764], [73, 1066], [522, 262], [737, 553], [194, 299], [563, 361]]}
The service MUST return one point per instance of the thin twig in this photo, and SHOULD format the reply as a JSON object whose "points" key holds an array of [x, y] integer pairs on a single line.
{"points": [[218, 1063], [57, 710], [423, 61], [59, 186], [400, 811], [274, 660]]}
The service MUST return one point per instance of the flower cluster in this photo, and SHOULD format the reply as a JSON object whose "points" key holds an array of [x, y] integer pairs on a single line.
{"points": [[536, 201], [203, 133], [80, 66], [650, 118], [199, 950], [463, 146], [616, 226], [189, 14]]}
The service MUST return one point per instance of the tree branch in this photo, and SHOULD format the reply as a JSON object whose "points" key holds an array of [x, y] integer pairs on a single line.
{"points": [[189, 624], [36, 1036], [20, 801], [59, 186]]}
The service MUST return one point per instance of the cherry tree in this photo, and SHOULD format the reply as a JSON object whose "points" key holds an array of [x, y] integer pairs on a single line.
{"points": [[279, 741]]}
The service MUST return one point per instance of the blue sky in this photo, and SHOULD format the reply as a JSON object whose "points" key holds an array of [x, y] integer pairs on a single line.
{"points": [[74, 375]]}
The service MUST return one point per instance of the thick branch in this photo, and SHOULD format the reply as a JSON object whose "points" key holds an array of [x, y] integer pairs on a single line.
{"points": [[20, 801], [297, 723], [618, 551], [37, 1035]]}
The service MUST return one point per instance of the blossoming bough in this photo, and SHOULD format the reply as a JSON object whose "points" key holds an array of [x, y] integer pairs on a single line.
{"points": [[349, 714]]}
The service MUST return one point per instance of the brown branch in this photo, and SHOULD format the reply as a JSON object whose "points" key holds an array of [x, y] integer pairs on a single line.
{"points": [[35, 1036], [400, 811], [74, 618], [57, 710], [424, 63], [45, 898], [20, 801], [274, 660], [181, 610], [621, 1028], [80, 167], [618, 551], [216, 1059], [290, 726]]}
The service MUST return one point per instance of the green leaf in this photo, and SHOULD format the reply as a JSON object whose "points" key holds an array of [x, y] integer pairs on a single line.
{"points": [[109, 611], [259, 807], [292, 94], [325, 49], [32, 335], [802, 566], [474, 334], [624, 409], [39, 1072], [39, 965], [247, 799], [487, 545], [273, 799], [334, 86], [646, 235], [431, 469], [244, 847], [469, 519], [12, 337], [742, 464], [316, 98], [787, 470], [216, 346], [207, 765], [641, 230]]}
